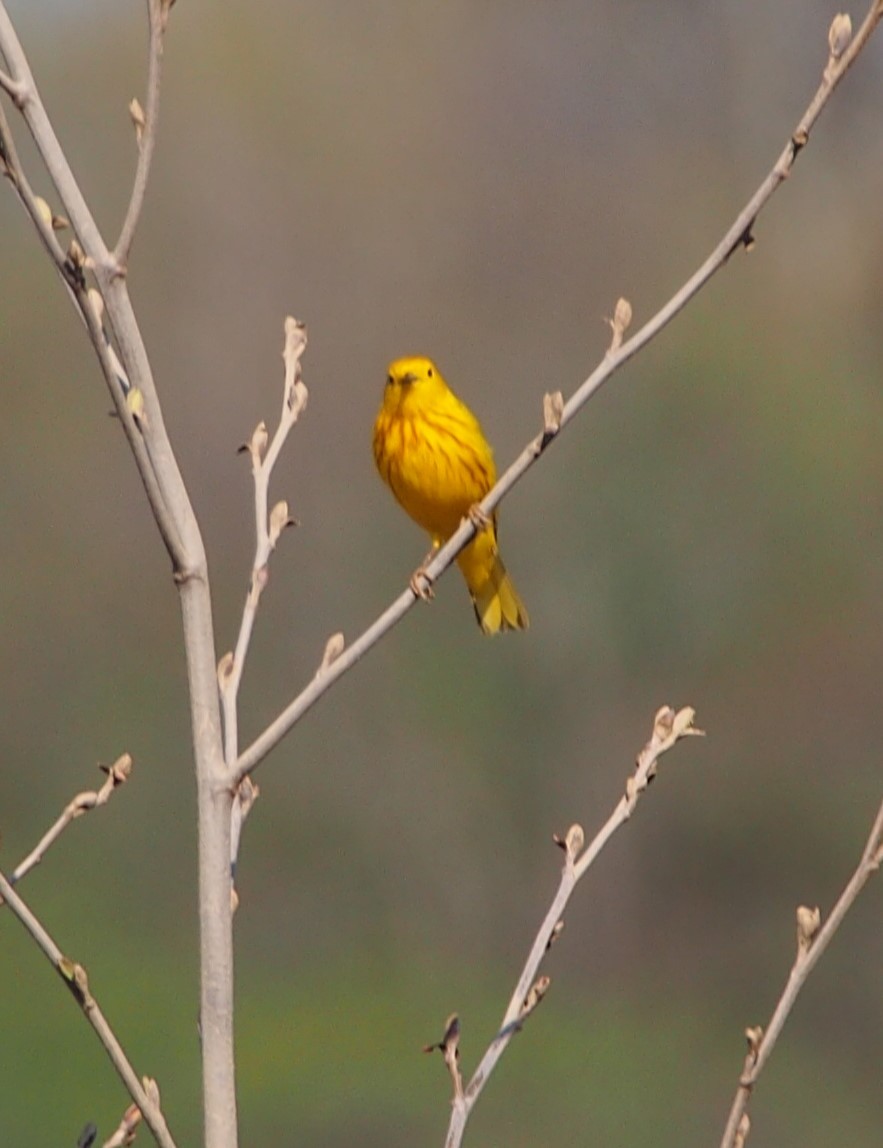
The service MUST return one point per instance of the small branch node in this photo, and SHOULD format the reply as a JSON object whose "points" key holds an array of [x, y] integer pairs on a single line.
{"points": [[334, 647], [96, 302], [151, 1088], [226, 666], [553, 412], [295, 392], [669, 727], [280, 520], [75, 265], [808, 924], [537, 991], [754, 1036], [126, 1130], [555, 934], [136, 113], [135, 407], [256, 445], [619, 324], [448, 1046], [77, 981], [839, 37], [17, 90], [43, 210], [742, 1131], [117, 774], [572, 842]]}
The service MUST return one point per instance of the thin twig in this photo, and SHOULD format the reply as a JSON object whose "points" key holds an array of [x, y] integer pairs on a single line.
{"points": [[10, 86], [117, 774], [738, 234], [812, 942], [127, 1129], [149, 442], [74, 977], [145, 130], [269, 526], [74, 281], [668, 729]]}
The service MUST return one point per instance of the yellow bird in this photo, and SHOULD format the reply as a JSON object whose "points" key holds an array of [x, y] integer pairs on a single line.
{"points": [[431, 453]]}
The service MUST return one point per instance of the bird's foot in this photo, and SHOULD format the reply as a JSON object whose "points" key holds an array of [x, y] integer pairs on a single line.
{"points": [[479, 518], [421, 586]]}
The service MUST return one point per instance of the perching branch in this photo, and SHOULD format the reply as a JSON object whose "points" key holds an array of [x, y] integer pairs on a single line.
{"points": [[117, 774], [812, 940], [144, 1093], [842, 54], [668, 729]]}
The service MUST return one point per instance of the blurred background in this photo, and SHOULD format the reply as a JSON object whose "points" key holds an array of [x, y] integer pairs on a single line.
{"points": [[480, 183]]}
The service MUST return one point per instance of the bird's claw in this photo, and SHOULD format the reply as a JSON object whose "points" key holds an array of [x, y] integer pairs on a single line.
{"points": [[479, 518], [420, 585]]}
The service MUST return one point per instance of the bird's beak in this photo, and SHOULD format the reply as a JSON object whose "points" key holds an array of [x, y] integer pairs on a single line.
{"points": [[408, 378]]}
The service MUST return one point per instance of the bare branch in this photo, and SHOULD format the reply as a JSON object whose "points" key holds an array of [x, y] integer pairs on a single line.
{"points": [[812, 940], [10, 86], [129, 377], [145, 129], [448, 1046], [269, 526], [74, 977], [127, 1128], [117, 774], [89, 304], [668, 729], [739, 234]]}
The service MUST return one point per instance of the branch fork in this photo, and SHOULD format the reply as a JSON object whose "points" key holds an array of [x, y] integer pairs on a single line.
{"points": [[669, 727]]}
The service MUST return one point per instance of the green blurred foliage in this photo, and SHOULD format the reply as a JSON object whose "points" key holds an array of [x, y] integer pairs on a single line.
{"points": [[479, 182]]}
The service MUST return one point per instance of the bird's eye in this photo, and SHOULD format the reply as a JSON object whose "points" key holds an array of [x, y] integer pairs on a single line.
{"points": [[389, 380], [429, 373]]}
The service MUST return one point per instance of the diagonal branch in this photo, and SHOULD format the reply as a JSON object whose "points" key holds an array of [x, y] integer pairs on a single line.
{"points": [[90, 307], [842, 55], [74, 976], [811, 944], [668, 729], [117, 774]]}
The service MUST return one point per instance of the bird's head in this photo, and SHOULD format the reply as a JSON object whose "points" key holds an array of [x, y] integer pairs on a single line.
{"points": [[413, 378]]}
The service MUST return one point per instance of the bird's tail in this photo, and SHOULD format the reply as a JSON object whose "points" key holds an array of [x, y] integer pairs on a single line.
{"points": [[496, 601]]}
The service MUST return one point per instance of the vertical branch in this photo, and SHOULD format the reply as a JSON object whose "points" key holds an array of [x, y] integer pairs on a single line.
{"points": [[269, 526], [145, 128], [141, 414]]}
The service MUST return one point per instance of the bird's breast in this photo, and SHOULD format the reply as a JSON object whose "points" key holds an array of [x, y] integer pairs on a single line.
{"points": [[435, 473]]}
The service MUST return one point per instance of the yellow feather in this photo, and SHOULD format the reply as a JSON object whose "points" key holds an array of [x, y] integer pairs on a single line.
{"points": [[430, 451]]}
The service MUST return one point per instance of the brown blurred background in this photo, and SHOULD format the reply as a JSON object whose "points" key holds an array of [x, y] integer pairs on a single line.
{"points": [[478, 182]]}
